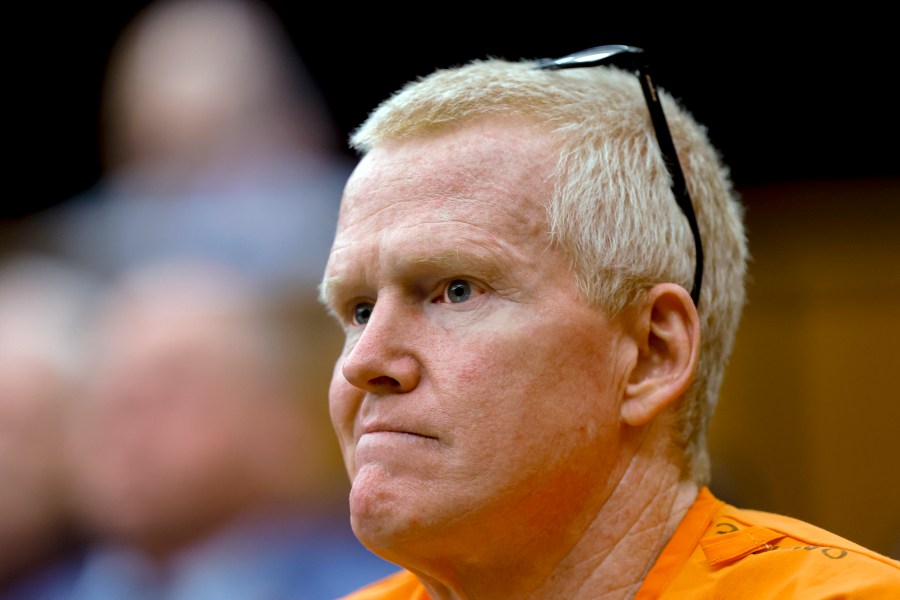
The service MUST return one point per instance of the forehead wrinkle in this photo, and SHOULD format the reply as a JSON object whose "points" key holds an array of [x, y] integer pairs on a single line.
{"points": [[472, 175]]}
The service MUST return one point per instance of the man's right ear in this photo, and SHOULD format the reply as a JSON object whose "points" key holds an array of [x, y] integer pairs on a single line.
{"points": [[667, 333]]}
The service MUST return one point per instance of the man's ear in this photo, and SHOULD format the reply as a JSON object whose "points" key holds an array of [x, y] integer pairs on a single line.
{"points": [[667, 333]]}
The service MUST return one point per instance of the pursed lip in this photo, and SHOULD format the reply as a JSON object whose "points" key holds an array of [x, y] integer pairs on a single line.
{"points": [[384, 427]]}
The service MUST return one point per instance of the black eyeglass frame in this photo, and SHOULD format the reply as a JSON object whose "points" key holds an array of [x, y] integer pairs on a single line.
{"points": [[635, 59]]}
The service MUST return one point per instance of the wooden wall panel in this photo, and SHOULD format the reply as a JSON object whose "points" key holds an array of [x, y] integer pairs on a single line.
{"points": [[808, 422]]}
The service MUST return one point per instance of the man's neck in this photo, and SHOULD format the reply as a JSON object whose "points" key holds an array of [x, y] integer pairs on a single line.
{"points": [[611, 557], [642, 524]]}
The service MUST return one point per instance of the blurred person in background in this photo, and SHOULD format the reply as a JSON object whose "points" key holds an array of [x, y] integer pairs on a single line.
{"points": [[216, 142], [202, 457], [43, 304], [197, 458]]}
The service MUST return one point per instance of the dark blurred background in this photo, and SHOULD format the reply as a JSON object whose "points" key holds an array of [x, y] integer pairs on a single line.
{"points": [[785, 99], [802, 109]]}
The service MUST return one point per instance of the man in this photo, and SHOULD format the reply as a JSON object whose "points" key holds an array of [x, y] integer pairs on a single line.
{"points": [[535, 336]]}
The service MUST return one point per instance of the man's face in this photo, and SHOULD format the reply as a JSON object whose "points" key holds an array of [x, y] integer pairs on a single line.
{"points": [[476, 392]]}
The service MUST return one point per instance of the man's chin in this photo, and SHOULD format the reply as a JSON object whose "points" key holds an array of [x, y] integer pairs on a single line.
{"points": [[373, 503], [381, 514]]}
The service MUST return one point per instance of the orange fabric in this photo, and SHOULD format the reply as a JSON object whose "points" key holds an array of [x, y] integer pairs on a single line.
{"points": [[720, 551], [400, 586], [733, 546]]}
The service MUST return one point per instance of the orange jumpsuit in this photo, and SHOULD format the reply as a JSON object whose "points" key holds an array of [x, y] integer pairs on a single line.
{"points": [[719, 551]]}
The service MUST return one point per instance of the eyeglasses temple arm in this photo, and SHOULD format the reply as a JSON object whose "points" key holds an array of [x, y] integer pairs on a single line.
{"points": [[627, 57], [670, 157]]}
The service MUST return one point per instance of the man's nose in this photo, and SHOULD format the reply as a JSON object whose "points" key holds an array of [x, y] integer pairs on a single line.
{"points": [[383, 360]]}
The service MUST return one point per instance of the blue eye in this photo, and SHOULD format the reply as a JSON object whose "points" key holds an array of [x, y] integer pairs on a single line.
{"points": [[458, 290], [362, 312]]}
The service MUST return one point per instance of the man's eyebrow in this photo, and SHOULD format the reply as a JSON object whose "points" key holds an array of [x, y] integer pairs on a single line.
{"points": [[325, 288], [452, 259], [480, 262], [335, 289], [484, 264]]}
